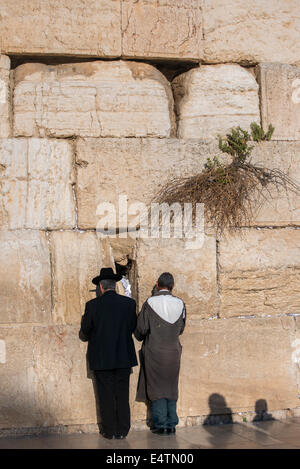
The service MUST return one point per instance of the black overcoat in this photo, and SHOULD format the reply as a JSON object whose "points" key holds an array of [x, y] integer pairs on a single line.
{"points": [[108, 323]]}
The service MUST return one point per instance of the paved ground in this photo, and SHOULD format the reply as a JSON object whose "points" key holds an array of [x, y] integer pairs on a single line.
{"points": [[274, 434]]}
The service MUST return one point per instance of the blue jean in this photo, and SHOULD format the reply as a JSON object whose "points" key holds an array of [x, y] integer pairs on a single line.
{"points": [[164, 413]]}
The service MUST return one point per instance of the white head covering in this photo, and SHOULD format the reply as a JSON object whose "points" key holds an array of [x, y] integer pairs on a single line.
{"points": [[168, 307], [127, 286]]}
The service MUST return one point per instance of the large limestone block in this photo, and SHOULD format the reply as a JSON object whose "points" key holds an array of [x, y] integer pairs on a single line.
{"points": [[163, 28], [92, 99], [76, 259], [25, 285], [64, 393], [58, 27], [4, 96], [280, 99], [44, 381], [147, 164], [17, 377], [277, 207], [251, 32], [194, 272], [136, 168], [36, 178], [212, 99], [237, 362], [122, 249], [259, 272]]}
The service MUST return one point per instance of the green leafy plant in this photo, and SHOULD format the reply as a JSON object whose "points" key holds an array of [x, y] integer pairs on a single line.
{"points": [[258, 135], [236, 143]]}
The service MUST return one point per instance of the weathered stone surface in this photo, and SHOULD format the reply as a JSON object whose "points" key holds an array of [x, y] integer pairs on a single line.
{"points": [[17, 378], [251, 32], [280, 99], [76, 259], [240, 360], [122, 249], [87, 28], [36, 177], [212, 99], [146, 164], [44, 381], [25, 277], [92, 99], [4, 96], [277, 208], [64, 393], [194, 272], [259, 273], [163, 28]]}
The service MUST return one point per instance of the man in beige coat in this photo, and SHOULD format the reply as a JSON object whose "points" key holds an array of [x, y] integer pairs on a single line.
{"points": [[160, 322]]}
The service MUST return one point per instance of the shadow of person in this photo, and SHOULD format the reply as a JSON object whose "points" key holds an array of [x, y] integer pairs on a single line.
{"points": [[219, 414], [262, 420], [261, 411]]}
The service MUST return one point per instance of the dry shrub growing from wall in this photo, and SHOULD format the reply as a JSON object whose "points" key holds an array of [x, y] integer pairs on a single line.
{"points": [[228, 190]]}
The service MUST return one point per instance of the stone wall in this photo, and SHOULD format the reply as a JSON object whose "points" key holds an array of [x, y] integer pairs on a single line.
{"points": [[77, 130], [150, 29]]}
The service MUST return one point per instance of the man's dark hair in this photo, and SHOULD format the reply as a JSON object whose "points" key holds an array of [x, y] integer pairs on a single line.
{"points": [[166, 280], [108, 284]]}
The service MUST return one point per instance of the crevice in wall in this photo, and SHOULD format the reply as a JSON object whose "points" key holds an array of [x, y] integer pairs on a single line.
{"points": [[128, 270], [270, 227], [242, 63], [75, 206], [168, 67], [94, 230], [257, 75], [75, 183], [171, 69], [11, 90], [17, 60], [249, 317]]}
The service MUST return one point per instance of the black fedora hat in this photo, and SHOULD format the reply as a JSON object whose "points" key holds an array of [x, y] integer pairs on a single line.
{"points": [[106, 273]]}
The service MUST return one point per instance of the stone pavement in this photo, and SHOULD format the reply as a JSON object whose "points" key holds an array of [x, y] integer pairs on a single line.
{"points": [[272, 434]]}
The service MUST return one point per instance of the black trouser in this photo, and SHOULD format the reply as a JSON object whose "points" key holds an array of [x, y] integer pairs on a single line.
{"points": [[113, 396]]}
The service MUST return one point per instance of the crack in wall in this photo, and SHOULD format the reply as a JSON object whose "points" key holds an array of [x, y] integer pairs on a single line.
{"points": [[218, 284], [48, 235], [75, 183]]}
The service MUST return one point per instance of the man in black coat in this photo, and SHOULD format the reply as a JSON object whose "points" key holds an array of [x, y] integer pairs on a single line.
{"points": [[108, 323]]}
